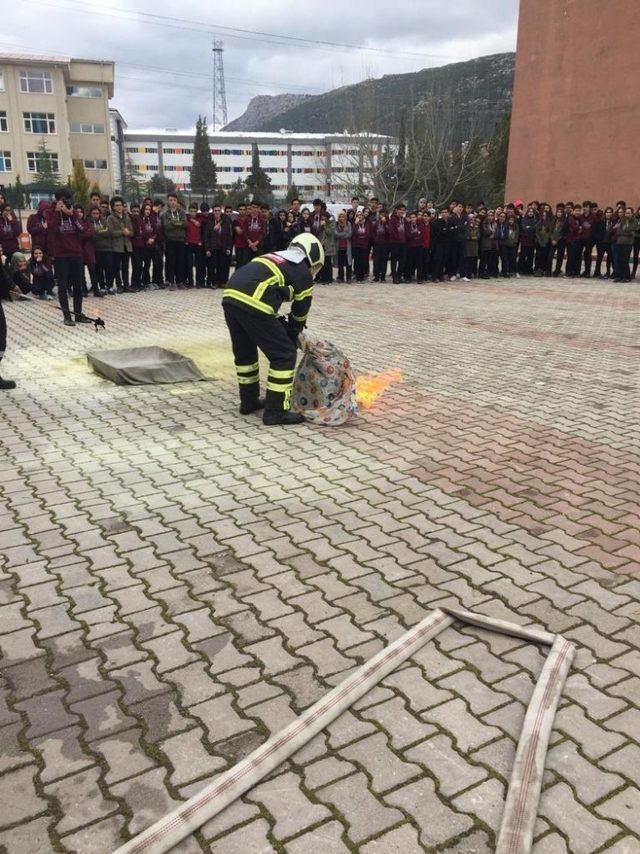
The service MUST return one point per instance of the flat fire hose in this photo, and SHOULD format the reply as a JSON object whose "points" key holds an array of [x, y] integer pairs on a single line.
{"points": [[524, 789]]}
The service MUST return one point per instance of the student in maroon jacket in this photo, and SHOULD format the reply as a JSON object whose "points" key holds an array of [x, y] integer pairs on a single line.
{"points": [[9, 231], [66, 232], [88, 252], [194, 253], [217, 234], [574, 241], [360, 245], [255, 228], [398, 241], [37, 227], [413, 266], [380, 239]]}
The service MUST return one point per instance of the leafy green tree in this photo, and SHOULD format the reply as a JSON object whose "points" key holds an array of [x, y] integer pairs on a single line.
{"points": [[160, 186], [236, 194], [258, 183], [292, 193], [131, 184], [46, 175], [79, 184], [203, 170], [497, 159]]}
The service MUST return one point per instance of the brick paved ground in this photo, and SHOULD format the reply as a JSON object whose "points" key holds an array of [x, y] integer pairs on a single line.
{"points": [[176, 582]]}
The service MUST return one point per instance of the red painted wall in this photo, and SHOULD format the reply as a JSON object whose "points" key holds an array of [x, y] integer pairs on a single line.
{"points": [[575, 130]]}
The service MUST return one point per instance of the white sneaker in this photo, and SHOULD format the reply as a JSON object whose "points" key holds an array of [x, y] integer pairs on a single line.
{"points": [[517, 275], [466, 279], [452, 278]]}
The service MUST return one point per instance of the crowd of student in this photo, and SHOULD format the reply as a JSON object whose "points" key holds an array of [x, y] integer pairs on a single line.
{"points": [[109, 246]]}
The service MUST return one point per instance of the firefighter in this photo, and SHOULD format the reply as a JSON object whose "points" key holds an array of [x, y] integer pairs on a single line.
{"points": [[251, 301]]}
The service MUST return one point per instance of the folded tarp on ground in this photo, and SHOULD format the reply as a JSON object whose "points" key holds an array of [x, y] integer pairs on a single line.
{"points": [[142, 365]]}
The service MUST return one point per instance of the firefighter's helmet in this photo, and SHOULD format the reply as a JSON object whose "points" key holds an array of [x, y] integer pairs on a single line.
{"points": [[313, 251]]}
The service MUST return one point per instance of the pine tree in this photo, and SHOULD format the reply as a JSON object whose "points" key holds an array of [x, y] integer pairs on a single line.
{"points": [[292, 193], [95, 188], [203, 169], [258, 183], [79, 184], [46, 176]]}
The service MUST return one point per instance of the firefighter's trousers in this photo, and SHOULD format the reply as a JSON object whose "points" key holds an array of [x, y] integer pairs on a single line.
{"points": [[250, 332]]}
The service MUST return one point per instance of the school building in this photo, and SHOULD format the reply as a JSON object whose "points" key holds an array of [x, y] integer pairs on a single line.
{"points": [[326, 165]]}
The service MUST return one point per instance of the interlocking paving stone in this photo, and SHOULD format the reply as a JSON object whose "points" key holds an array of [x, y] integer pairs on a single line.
{"points": [[190, 583], [364, 814]]}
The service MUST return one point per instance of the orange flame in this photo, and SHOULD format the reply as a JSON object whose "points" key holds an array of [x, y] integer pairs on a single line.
{"points": [[369, 387]]}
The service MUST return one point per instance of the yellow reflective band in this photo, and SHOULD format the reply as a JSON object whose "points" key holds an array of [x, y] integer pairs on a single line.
{"points": [[262, 287], [281, 375], [247, 300], [273, 267], [303, 294], [291, 292], [300, 318], [249, 380], [281, 387], [248, 369]]}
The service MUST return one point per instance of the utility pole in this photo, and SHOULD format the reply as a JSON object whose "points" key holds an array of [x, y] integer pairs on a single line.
{"points": [[219, 115]]}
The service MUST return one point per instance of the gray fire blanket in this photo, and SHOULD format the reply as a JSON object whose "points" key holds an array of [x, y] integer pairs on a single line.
{"points": [[140, 365], [324, 388]]}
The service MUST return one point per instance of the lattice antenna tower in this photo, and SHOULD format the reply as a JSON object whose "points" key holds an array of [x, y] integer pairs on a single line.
{"points": [[219, 117]]}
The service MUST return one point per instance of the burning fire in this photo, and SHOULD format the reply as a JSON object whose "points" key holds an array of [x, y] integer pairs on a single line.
{"points": [[369, 387]]}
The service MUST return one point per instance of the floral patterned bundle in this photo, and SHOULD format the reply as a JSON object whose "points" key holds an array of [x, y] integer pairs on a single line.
{"points": [[324, 388]]}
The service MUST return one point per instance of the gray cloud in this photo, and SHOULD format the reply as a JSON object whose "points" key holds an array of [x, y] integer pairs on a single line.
{"points": [[175, 94]]}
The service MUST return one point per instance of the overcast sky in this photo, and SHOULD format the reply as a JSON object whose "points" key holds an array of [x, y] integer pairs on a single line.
{"points": [[162, 49]]}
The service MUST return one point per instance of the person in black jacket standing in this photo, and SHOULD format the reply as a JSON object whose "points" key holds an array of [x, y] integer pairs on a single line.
{"points": [[5, 385]]}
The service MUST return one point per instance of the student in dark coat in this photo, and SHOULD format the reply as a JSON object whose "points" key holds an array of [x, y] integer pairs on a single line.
{"points": [[218, 245], [603, 230], [5, 294]]}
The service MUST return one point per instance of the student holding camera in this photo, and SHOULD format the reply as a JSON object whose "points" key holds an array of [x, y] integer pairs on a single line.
{"points": [[66, 231]]}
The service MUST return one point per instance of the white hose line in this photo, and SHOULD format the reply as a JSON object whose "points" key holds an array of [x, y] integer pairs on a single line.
{"points": [[501, 626], [191, 815], [521, 807]]}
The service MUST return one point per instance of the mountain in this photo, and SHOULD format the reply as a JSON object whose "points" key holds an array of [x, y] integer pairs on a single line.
{"points": [[263, 108], [475, 94]]}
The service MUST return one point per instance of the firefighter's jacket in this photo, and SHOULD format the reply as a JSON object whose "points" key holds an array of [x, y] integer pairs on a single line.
{"points": [[262, 285]]}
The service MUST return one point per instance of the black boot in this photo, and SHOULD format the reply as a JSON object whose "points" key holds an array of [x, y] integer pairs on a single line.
{"points": [[250, 400], [253, 406], [6, 385], [274, 417]]}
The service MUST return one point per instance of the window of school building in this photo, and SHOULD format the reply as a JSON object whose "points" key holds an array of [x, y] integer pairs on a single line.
{"points": [[80, 127], [40, 123], [84, 91], [95, 164], [36, 82], [36, 158], [5, 161], [4, 125]]}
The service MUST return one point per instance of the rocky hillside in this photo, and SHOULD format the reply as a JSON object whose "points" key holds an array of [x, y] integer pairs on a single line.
{"points": [[475, 93], [263, 108]]}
